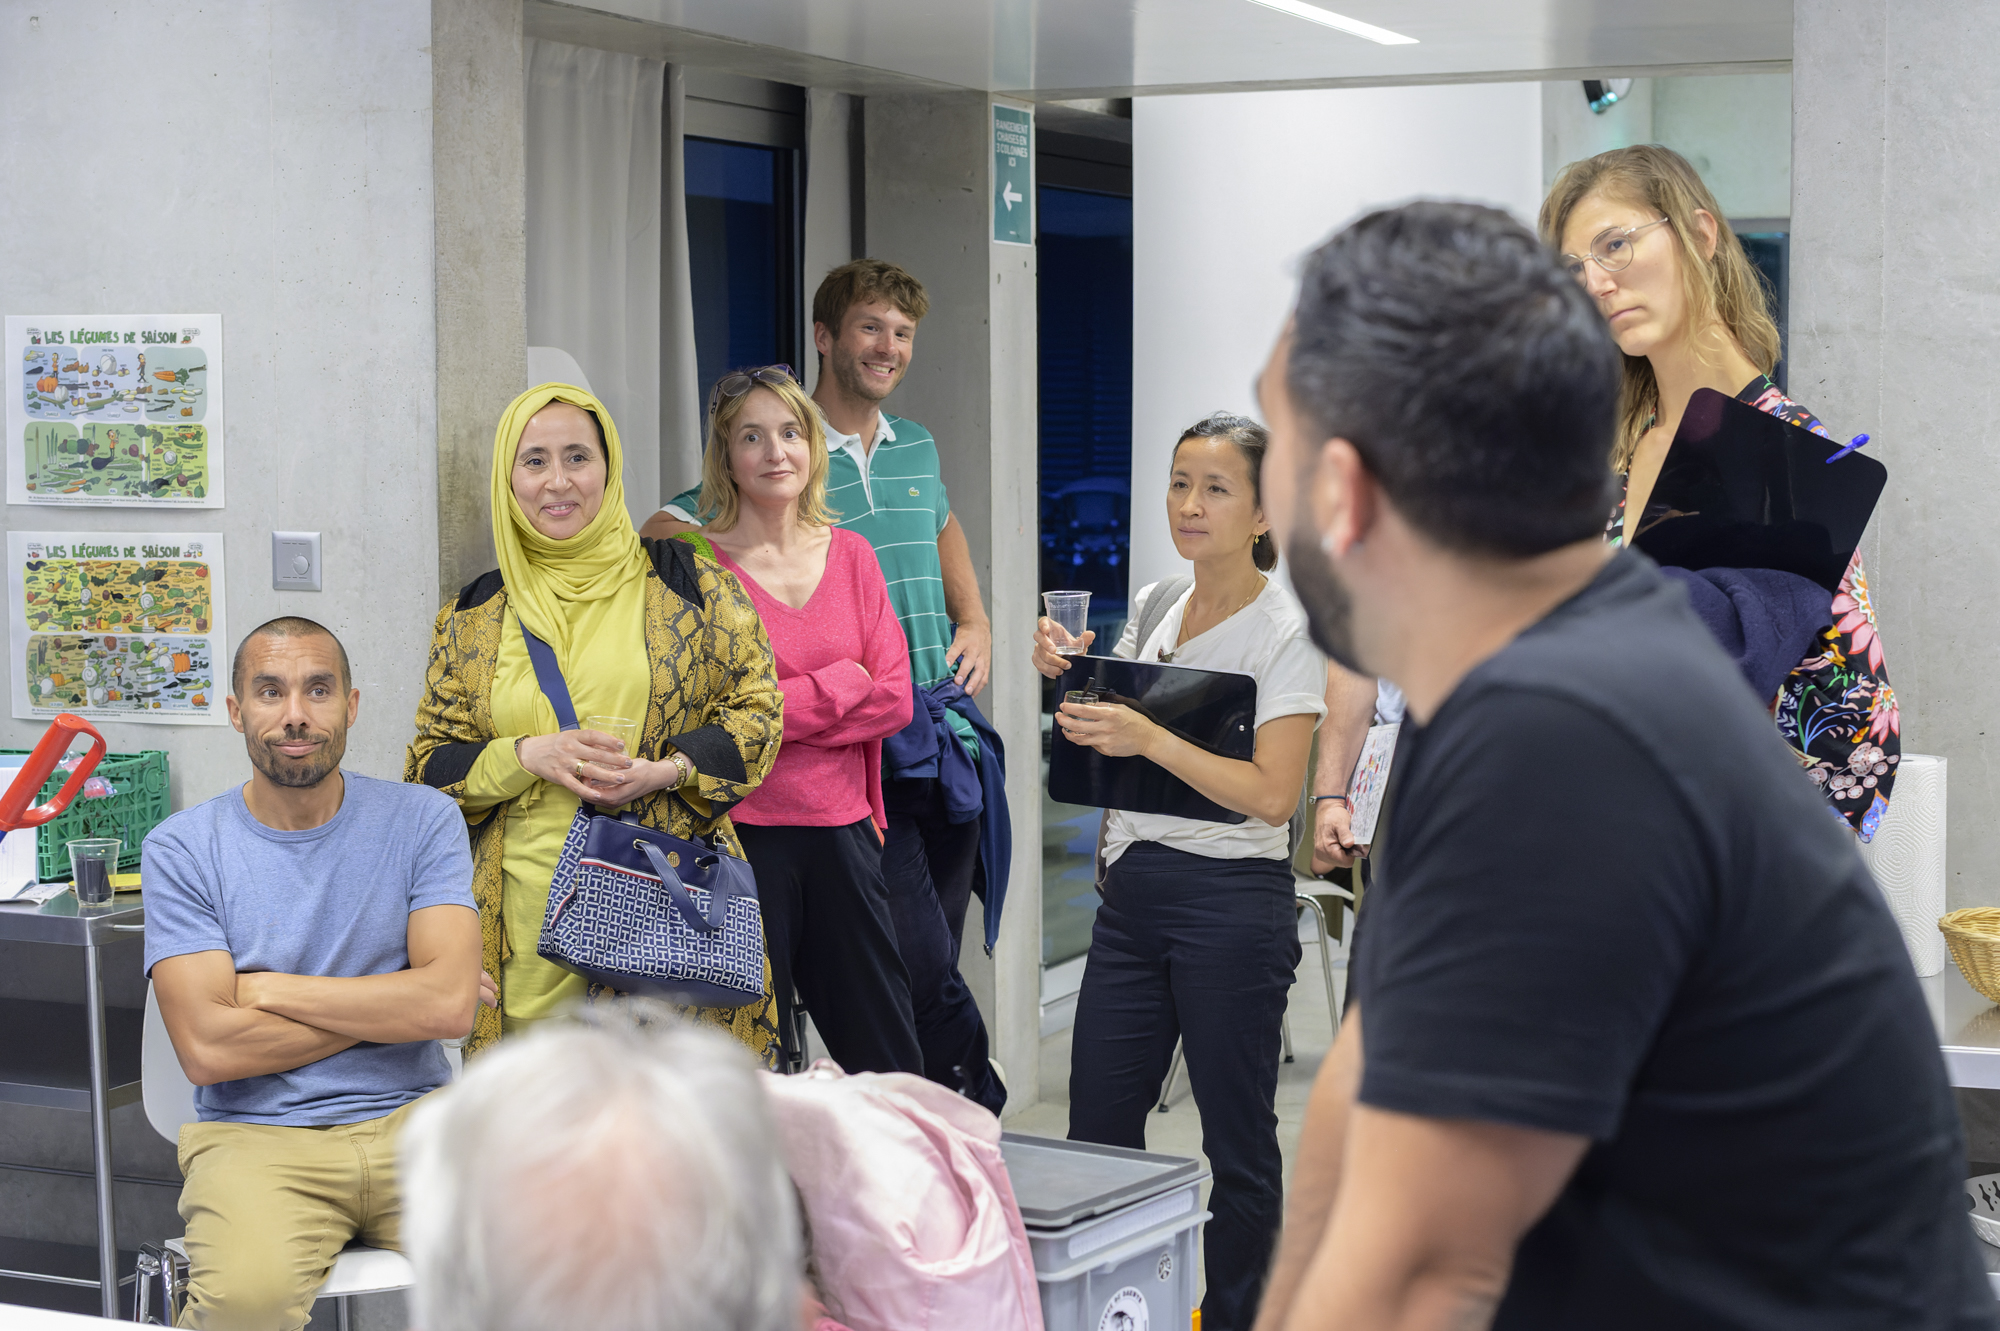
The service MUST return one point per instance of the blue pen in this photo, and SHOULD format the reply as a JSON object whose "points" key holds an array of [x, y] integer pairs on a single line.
{"points": [[1852, 444]]}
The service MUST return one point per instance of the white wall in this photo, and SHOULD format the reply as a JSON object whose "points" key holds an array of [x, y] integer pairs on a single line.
{"points": [[1736, 129], [271, 161], [1229, 191]]}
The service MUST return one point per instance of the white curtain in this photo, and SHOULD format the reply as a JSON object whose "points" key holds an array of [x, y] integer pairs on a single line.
{"points": [[594, 146], [683, 421]]}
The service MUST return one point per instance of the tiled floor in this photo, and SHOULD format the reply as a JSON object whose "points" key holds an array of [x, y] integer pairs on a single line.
{"points": [[1178, 1131]]}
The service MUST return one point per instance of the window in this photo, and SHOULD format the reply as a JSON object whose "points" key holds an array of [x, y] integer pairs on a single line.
{"points": [[1084, 260], [1768, 245], [743, 245]]}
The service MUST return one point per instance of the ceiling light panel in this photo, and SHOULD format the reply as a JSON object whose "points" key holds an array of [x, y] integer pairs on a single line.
{"points": [[1354, 27]]}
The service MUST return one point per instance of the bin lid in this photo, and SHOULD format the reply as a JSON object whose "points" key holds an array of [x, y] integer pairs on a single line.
{"points": [[1058, 1183]]}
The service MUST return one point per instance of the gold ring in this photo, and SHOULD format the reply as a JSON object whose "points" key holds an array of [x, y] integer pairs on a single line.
{"points": [[579, 767]]}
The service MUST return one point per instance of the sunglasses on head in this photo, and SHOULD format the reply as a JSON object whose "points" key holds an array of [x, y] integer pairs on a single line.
{"points": [[738, 382]]}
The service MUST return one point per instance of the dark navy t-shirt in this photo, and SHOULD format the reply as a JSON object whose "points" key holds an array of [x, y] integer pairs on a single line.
{"points": [[1607, 902]]}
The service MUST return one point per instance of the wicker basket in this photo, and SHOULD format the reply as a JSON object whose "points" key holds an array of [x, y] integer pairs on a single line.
{"points": [[1973, 935]]}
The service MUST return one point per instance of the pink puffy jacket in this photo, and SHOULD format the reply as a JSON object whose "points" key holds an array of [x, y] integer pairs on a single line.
{"points": [[914, 1223]]}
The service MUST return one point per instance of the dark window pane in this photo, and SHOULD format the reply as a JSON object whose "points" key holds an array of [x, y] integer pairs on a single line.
{"points": [[1085, 264], [738, 237], [1770, 252], [1084, 257]]}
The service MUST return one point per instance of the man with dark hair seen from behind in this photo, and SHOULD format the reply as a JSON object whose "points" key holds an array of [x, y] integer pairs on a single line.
{"points": [[311, 936], [883, 481], [1631, 1039]]}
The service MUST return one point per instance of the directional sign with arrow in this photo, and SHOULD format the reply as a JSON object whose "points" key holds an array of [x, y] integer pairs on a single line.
{"points": [[1013, 176]]}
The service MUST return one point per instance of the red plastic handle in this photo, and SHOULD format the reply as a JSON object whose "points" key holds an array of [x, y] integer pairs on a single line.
{"points": [[55, 742]]}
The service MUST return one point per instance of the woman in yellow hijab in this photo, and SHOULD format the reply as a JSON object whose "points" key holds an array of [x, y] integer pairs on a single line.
{"points": [[665, 639]]}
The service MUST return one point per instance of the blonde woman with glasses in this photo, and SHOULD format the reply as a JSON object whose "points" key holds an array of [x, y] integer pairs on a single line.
{"points": [[1643, 235], [813, 830]]}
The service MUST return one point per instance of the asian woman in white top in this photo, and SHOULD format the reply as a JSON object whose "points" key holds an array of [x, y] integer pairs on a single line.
{"points": [[1197, 939]]}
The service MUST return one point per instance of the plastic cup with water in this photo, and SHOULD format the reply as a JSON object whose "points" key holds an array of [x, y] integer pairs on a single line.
{"points": [[624, 731], [92, 861], [1070, 612]]}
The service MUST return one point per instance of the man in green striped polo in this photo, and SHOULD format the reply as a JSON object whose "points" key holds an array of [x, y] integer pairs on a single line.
{"points": [[884, 482]]}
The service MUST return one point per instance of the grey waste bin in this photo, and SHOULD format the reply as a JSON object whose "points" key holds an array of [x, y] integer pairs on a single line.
{"points": [[1113, 1232]]}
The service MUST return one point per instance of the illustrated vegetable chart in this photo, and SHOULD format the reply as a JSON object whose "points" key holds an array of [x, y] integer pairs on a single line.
{"points": [[116, 595], [113, 672]]}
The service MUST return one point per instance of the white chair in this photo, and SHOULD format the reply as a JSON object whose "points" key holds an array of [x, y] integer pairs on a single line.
{"points": [[1307, 901], [169, 1099]]}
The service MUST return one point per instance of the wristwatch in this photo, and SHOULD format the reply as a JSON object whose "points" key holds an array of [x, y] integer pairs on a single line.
{"points": [[1337, 799]]}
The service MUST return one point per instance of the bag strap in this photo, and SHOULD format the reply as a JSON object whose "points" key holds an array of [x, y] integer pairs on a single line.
{"points": [[1153, 611], [718, 899], [550, 676]]}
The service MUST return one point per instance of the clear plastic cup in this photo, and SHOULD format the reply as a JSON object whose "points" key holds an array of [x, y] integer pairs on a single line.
{"points": [[1071, 613], [92, 861], [624, 731]]}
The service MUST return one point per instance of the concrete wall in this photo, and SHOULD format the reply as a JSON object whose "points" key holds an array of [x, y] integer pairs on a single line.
{"points": [[1229, 190], [271, 161], [1895, 329], [972, 382], [482, 265], [830, 236], [286, 184]]}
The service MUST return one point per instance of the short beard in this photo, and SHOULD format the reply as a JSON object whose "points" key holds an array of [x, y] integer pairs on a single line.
{"points": [[295, 775], [847, 373], [1329, 606]]}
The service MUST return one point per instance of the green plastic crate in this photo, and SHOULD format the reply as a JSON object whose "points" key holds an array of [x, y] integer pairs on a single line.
{"points": [[140, 805]]}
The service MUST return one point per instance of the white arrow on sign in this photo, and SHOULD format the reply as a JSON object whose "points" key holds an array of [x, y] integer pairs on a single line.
{"points": [[1009, 197]]}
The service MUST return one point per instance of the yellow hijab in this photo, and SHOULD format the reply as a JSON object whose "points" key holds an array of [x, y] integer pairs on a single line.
{"points": [[595, 563]]}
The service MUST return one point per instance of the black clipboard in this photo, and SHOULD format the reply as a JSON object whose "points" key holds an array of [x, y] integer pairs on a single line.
{"points": [[1213, 709], [1743, 489]]}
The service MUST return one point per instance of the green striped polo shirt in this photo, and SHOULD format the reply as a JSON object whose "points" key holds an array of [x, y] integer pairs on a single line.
{"points": [[892, 494]]}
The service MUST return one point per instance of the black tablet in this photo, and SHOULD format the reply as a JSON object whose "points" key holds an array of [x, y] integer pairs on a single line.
{"points": [[1213, 709], [1743, 489]]}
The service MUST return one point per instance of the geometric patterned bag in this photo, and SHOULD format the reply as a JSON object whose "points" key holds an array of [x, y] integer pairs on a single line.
{"points": [[644, 911], [649, 913]]}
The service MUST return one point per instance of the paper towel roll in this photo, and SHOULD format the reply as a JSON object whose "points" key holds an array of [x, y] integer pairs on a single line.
{"points": [[1907, 858]]}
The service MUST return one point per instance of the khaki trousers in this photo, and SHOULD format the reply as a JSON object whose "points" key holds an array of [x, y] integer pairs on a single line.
{"points": [[267, 1210]]}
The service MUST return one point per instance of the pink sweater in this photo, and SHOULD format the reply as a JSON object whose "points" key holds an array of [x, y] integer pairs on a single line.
{"points": [[829, 768]]}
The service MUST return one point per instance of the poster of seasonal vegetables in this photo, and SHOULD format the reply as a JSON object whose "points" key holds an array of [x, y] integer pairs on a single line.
{"points": [[115, 409], [117, 626]]}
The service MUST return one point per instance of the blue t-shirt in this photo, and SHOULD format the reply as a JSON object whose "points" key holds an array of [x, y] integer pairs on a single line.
{"points": [[334, 900]]}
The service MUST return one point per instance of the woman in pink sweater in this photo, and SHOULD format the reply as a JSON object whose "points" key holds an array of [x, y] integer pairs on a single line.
{"points": [[812, 830]]}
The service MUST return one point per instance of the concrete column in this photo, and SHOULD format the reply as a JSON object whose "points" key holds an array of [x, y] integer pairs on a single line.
{"points": [[972, 382], [1895, 327], [478, 110]]}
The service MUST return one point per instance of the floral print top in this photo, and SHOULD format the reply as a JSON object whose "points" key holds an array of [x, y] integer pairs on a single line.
{"points": [[1836, 709]]}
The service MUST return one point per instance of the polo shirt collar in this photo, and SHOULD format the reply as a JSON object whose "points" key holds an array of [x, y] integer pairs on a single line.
{"points": [[852, 442]]}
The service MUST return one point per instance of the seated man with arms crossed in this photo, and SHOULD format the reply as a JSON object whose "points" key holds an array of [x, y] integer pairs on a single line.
{"points": [[311, 935]]}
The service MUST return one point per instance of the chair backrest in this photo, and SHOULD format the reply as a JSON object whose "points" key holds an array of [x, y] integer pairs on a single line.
{"points": [[168, 1094]]}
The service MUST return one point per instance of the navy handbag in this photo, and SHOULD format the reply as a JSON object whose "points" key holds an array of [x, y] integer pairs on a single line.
{"points": [[643, 911]]}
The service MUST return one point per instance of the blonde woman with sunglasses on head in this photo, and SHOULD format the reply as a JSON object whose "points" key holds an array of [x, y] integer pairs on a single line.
{"points": [[1643, 235], [813, 830]]}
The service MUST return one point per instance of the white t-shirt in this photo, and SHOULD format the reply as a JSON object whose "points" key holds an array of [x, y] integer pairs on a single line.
{"points": [[1265, 640]]}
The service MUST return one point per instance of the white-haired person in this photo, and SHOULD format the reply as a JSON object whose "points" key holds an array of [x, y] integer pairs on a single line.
{"points": [[613, 1175]]}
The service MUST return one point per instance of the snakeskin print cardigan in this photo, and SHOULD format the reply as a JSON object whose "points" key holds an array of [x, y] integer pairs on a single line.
{"points": [[714, 697]]}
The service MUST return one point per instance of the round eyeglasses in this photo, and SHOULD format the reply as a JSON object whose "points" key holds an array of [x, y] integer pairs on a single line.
{"points": [[1610, 249], [738, 382]]}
